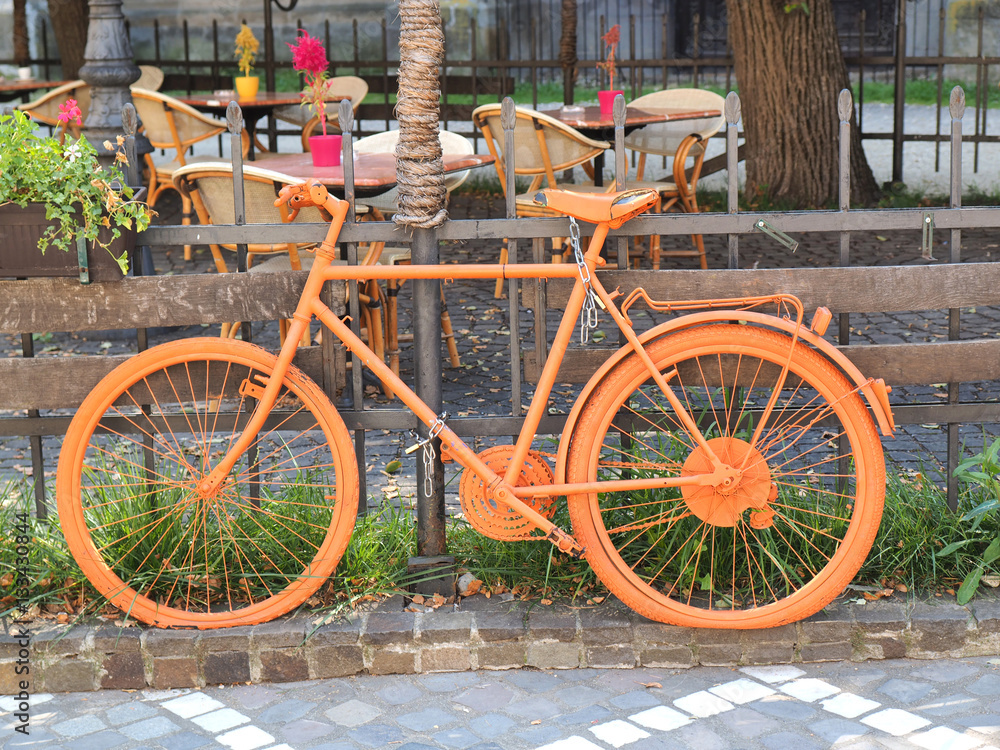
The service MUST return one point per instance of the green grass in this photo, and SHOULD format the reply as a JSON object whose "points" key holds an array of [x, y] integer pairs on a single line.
{"points": [[915, 522], [925, 91]]}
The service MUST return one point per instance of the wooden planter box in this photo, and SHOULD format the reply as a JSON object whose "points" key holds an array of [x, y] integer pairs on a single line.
{"points": [[20, 230]]}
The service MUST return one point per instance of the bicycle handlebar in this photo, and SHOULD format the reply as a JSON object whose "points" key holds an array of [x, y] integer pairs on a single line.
{"points": [[304, 195]]}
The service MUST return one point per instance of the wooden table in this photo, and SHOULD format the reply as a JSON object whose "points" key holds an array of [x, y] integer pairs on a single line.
{"points": [[253, 109], [373, 173], [14, 88], [593, 124]]}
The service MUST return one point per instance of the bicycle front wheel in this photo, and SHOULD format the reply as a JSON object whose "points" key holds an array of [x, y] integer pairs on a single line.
{"points": [[786, 529], [167, 553]]}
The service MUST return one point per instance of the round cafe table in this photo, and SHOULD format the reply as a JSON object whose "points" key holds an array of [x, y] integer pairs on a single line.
{"points": [[253, 109]]}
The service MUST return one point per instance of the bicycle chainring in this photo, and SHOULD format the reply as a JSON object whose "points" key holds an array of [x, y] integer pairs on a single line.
{"points": [[494, 519]]}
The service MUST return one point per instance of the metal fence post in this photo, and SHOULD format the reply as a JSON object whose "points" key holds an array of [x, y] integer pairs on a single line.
{"points": [[345, 115], [732, 112], [956, 107], [899, 97]]}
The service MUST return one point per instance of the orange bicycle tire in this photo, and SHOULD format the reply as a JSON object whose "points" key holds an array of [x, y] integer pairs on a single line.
{"points": [[782, 544], [134, 519]]}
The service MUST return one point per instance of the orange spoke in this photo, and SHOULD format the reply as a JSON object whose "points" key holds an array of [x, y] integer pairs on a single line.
{"points": [[163, 412], [807, 510], [667, 413], [680, 549], [639, 463], [168, 450], [760, 366], [274, 516], [797, 527], [697, 561], [790, 546]]}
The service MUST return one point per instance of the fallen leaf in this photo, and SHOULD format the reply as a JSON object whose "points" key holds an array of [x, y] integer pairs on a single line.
{"points": [[651, 684], [876, 595], [546, 601], [537, 721], [418, 599]]}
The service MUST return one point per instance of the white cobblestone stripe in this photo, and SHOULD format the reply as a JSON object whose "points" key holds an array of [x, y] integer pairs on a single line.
{"points": [[895, 721], [703, 704], [619, 733]]}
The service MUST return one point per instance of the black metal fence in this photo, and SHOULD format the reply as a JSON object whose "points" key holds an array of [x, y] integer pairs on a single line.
{"points": [[848, 290]]}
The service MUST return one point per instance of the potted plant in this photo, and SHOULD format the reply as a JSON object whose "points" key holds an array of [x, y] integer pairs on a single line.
{"points": [[309, 58], [606, 98], [246, 49], [56, 197]]}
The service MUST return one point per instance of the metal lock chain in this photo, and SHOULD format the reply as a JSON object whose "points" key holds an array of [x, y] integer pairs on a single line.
{"points": [[429, 454], [588, 315]]}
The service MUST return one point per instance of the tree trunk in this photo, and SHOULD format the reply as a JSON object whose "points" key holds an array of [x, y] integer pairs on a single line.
{"points": [[791, 70], [69, 24], [22, 52], [567, 49]]}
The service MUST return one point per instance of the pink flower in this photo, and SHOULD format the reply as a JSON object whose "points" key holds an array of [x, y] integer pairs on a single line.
{"points": [[309, 58], [308, 55], [69, 111]]}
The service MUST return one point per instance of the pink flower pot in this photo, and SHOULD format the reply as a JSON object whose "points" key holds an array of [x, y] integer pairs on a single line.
{"points": [[325, 150], [607, 101]]}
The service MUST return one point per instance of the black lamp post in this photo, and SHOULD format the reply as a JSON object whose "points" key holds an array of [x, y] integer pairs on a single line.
{"points": [[109, 68], [269, 37]]}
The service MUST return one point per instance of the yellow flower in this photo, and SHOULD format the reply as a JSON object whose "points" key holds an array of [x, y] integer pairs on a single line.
{"points": [[246, 48]]}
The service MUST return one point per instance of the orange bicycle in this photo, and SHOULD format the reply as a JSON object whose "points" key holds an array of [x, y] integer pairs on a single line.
{"points": [[720, 469]]}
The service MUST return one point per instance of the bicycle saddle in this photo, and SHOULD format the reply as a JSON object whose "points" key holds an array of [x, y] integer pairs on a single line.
{"points": [[613, 209]]}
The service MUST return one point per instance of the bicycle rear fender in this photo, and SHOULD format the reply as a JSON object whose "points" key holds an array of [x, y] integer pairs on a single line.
{"points": [[876, 392]]}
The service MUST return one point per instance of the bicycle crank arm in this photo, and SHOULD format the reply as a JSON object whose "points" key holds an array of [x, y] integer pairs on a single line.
{"points": [[563, 541]]}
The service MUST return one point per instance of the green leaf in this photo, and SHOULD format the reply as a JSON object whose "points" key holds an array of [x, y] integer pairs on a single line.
{"points": [[992, 552], [982, 508], [951, 548], [393, 466], [969, 586]]}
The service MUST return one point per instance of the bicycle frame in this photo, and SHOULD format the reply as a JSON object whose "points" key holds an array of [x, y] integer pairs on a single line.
{"points": [[500, 487]]}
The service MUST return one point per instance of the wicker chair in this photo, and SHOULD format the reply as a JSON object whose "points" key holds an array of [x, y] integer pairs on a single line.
{"points": [[45, 109], [385, 203], [341, 87], [209, 186], [683, 141], [543, 146], [174, 126], [150, 78]]}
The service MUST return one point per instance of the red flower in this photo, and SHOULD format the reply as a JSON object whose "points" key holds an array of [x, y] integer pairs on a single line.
{"points": [[309, 58], [308, 55], [69, 111], [611, 40]]}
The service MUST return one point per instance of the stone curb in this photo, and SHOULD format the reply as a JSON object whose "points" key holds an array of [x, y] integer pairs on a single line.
{"points": [[484, 634]]}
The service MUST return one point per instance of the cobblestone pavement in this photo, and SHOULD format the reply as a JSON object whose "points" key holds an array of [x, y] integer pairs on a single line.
{"points": [[946, 704]]}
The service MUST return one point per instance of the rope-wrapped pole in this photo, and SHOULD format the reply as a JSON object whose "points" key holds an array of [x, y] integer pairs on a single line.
{"points": [[419, 169], [420, 206]]}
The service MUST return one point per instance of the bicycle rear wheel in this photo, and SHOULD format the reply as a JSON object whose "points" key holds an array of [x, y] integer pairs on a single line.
{"points": [[168, 554], [794, 523]]}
